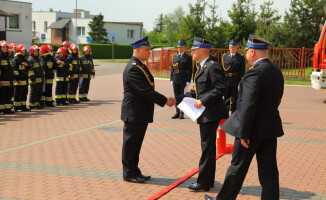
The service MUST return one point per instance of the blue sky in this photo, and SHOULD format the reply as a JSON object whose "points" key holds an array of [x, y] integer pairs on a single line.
{"points": [[145, 11]]}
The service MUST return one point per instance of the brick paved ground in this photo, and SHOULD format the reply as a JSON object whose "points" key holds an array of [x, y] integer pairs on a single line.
{"points": [[74, 152]]}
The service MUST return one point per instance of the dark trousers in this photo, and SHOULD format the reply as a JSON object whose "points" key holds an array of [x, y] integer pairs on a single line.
{"points": [[5, 97], [36, 94], [178, 89], [231, 91], [133, 136], [47, 93], [267, 169], [207, 162], [84, 88], [21, 92], [72, 88], [61, 90]]}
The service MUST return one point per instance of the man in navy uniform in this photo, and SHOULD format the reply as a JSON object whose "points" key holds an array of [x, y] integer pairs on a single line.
{"points": [[137, 109], [181, 71], [209, 88], [255, 124], [234, 67]]}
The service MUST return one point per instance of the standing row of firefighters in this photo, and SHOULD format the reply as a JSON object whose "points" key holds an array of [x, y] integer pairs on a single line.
{"points": [[39, 69]]}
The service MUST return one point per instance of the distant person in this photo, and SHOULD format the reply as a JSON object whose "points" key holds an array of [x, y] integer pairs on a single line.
{"points": [[74, 74], [87, 72], [62, 77], [137, 109], [181, 71], [255, 124], [234, 68]]}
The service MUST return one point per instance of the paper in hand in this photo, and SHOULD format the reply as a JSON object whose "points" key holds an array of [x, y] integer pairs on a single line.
{"points": [[187, 106]]}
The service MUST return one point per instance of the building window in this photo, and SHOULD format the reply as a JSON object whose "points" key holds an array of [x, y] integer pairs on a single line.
{"points": [[45, 26], [130, 33], [58, 33], [33, 26], [80, 31], [13, 22]]}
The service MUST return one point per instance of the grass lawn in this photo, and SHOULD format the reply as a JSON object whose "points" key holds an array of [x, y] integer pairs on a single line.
{"points": [[113, 60]]}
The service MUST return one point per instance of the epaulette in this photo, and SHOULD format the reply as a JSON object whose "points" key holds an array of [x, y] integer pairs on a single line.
{"points": [[134, 63]]}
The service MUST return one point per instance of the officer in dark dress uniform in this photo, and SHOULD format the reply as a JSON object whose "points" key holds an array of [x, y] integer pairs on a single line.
{"points": [[137, 109], [209, 88], [181, 71], [255, 124], [234, 67]]}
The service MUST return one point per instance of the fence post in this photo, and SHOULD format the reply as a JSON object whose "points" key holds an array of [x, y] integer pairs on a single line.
{"points": [[302, 60], [161, 59]]}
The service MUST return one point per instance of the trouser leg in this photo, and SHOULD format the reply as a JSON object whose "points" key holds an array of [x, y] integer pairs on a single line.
{"points": [[178, 89], [234, 95], [133, 136], [207, 162]]}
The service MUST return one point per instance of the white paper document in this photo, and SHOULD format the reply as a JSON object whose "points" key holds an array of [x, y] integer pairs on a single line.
{"points": [[187, 106]]}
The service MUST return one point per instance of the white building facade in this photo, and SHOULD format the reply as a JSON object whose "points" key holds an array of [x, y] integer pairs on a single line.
{"points": [[56, 27], [16, 28]]}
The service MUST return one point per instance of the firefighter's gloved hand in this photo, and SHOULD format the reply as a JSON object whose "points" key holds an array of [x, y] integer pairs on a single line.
{"points": [[34, 82], [72, 78]]}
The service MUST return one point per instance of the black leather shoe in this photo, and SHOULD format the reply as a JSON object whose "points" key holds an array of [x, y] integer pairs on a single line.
{"points": [[175, 116], [142, 176], [134, 180], [197, 187], [208, 197], [181, 116]]}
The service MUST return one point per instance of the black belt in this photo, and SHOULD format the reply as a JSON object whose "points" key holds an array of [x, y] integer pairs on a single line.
{"points": [[182, 71], [231, 74]]}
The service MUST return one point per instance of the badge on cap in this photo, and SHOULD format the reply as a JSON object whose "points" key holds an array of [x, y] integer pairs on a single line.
{"points": [[201, 43], [257, 43], [143, 42]]}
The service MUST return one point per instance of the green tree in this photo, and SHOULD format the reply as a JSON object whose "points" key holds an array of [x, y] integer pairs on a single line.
{"points": [[301, 23], [194, 24], [97, 30], [268, 24], [159, 24], [172, 25], [243, 20]]}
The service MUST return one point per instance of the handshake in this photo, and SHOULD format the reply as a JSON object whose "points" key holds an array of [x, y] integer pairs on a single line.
{"points": [[171, 102]]}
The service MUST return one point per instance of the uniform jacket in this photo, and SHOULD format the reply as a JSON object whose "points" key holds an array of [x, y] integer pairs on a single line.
{"points": [[76, 67], [139, 95], [260, 94], [36, 72], [210, 86], [21, 71], [181, 69], [63, 70], [235, 64], [87, 66], [6, 69], [49, 65]]}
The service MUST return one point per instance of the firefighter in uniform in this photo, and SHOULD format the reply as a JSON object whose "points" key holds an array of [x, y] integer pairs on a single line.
{"points": [[62, 76], [49, 66], [88, 70], [21, 68], [36, 74], [208, 90], [75, 73], [234, 67], [137, 109], [6, 79], [181, 71], [11, 52]]}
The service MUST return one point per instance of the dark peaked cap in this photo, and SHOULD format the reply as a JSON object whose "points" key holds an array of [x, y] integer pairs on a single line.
{"points": [[257, 43], [201, 43], [143, 42]]}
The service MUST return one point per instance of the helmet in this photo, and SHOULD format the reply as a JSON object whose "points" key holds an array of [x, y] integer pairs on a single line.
{"points": [[4, 43], [12, 46], [20, 48], [63, 50], [86, 47], [73, 46], [34, 47], [45, 49], [65, 42]]}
